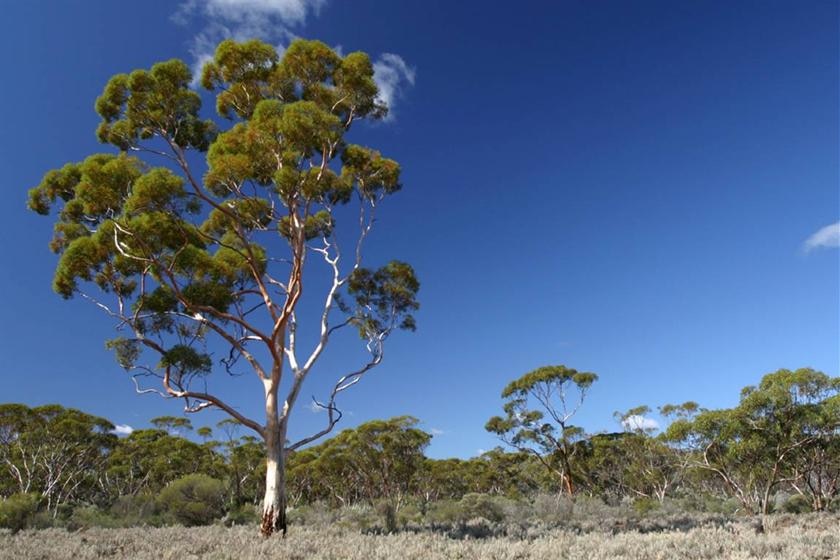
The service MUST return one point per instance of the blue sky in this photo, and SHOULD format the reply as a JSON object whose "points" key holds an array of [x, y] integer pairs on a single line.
{"points": [[646, 190]]}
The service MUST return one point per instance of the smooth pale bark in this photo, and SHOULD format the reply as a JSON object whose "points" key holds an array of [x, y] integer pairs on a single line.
{"points": [[274, 501]]}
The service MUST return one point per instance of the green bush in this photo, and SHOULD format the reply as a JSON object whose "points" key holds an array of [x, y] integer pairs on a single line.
{"points": [[137, 510], [17, 511], [316, 514], [246, 514], [643, 506], [443, 511], [482, 506], [91, 516], [195, 499], [551, 508], [410, 513], [797, 504]]}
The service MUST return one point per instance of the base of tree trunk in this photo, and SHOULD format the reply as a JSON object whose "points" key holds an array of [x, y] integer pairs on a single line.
{"points": [[272, 522]]}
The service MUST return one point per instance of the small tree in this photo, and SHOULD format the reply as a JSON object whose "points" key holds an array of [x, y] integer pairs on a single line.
{"points": [[538, 411], [186, 261]]}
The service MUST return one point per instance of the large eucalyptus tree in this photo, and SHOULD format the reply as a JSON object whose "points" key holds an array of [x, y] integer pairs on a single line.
{"points": [[186, 262]]}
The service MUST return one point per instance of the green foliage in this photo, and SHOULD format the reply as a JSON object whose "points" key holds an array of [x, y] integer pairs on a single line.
{"points": [[55, 451], [143, 104], [148, 460], [480, 505], [138, 510], [381, 459], [172, 424], [537, 417], [797, 504], [643, 506], [245, 514], [84, 517], [385, 298], [785, 426], [17, 510], [548, 376], [195, 499]]}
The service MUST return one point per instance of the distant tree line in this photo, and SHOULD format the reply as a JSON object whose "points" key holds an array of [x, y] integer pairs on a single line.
{"points": [[783, 438]]}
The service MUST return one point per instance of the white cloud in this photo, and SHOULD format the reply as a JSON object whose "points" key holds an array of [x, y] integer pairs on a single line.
{"points": [[392, 76], [829, 236], [122, 429], [268, 20], [436, 432], [315, 408], [288, 12], [639, 422], [273, 21]]}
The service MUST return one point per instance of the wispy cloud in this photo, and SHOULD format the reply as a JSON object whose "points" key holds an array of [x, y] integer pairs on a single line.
{"points": [[276, 22], [392, 76], [287, 11], [269, 20], [829, 236], [436, 432], [122, 429], [639, 422]]}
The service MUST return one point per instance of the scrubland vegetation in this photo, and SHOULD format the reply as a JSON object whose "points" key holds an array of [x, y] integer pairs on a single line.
{"points": [[804, 537]]}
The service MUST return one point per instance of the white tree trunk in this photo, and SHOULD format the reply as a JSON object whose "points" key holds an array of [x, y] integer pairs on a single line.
{"points": [[274, 502]]}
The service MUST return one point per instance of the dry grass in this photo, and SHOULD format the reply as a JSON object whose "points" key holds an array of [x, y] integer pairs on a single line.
{"points": [[807, 537]]}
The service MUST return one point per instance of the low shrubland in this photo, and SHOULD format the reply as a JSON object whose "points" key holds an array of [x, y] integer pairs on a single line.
{"points": [[783, 536]]}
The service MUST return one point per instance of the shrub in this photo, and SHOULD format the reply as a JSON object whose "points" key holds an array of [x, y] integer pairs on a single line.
{"points": [[317, 514], [246, 514], [474, 506], [796, 504], [409, 514], [389, 513], [91, 516], [834, 505], [643, 506], [17, 511], [136, 510], [551, 508], [358, 517], [443, 511], [195, 499]]}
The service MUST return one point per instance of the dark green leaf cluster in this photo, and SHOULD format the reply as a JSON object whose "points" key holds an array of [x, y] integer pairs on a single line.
{"points": [[385, 298], [249, 72], [158, 102]]}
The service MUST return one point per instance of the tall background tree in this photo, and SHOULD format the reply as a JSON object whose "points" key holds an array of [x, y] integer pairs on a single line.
{"points": [[185, 262], [538, 412]]}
